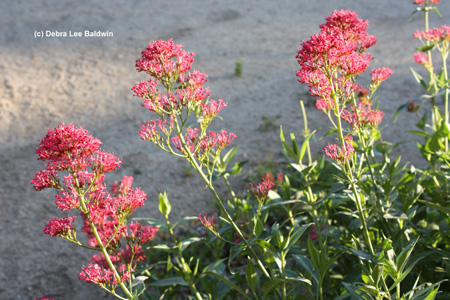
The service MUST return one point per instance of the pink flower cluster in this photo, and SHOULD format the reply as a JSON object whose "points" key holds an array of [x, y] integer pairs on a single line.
{"points": [[168, 64], [75, 153], [262, 189], [362, 115], [94, 273], [165, 60], [423, 2], [209, 223], [422, 59], [330, 61], [435, 35], [212, 142], [334, 152]]}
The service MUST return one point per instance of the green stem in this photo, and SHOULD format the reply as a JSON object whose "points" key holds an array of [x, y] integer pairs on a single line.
{"points": [[105, 252], [198, 168], [349, 174], [444, 69]]}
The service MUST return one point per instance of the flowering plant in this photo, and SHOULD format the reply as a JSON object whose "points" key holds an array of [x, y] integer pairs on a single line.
{"points": [[360, 233], [76, 167]]}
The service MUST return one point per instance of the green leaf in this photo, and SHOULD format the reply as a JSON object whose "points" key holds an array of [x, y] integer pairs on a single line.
{"points": [[419, 79], [277, 235], [186, 243], [286, 148], [183, 220], [324, 268], [442, 209], [138, 285], [251, 275], [305, 145], [425, 48], [229, 156], [352, 290], [228, 282], [153, 222], [437, 11], [314, 254], [294, 146], [296, 235], [236, 169], [432, 294], [258, 225], [271, 285], [164, 205], [306, 263], [417, 132], [169, 281], [212, 266]]}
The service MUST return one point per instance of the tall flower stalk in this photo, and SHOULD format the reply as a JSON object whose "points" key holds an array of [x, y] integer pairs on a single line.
{"points": [[184, 96], [74, 152], [330, 63]]}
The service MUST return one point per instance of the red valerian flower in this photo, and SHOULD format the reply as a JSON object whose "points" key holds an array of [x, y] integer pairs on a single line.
{"points": [[122, 186], [422, 2], [336, 153], [44, 179], [435, 35], [145, 89], [164, 59], [59, 226], [150, 131], [43, 298], [209, 223], [380, 75], [262, 189], [212, 108], [96, 274], [141, 234], [362, 115], [67, 146]]}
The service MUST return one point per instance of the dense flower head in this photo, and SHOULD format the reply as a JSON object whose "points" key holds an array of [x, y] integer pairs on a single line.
{"points": [[141, 234], [128, 256], [126, 203], [262, 189], [60, 226], [150, 131], [334, 152], [362, 115], [421, 58], [212, 108], [93, 273], [104, 162], [164, 59], [43, 298], [353, 29], [423, 2], [44, 179], [380, 75], [145, 89], [122, 186], [435, 35], [331, 61], [216, 142], [209, 223], [67, 146]]}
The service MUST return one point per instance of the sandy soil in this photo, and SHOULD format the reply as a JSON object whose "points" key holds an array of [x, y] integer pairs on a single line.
{"points": [[87, 81]]}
